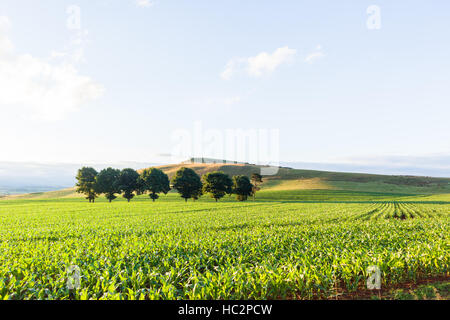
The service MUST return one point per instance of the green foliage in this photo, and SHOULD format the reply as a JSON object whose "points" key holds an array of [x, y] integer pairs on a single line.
{"points": [[333, 195], [187, 183], [128, 183], [430, 291], [242, 187], [217, 184], [155, 181], [140, 188], [256, 179], [228, 250], [86, 183], [107, 183]]}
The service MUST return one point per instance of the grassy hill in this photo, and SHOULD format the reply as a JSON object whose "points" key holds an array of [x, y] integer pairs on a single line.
{"points": [[297, 184], [58, 194], [295, 179]]}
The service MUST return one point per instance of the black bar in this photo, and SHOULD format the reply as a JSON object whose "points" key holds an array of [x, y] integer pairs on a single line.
{"points": [[229, 309]]}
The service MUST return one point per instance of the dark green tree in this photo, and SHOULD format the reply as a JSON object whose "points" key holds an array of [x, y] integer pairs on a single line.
{"points": [[188, 183], [87, 184], [256, 180], [155, 181], [128, 183], [242, 187], [140, 189], [107, 183], [197, 195], [217, 184]]}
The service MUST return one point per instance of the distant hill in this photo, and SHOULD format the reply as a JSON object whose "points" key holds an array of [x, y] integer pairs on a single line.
{"points": [[59, 194], [288, 179], [296, 179]]}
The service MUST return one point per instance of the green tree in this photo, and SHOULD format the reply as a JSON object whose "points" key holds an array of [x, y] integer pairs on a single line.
{"points": [[128, 183], [217, 184], [256, 180], [107, 183], [155, 181], [140, 189], [242, 187], [188, 183], [87, 184]]}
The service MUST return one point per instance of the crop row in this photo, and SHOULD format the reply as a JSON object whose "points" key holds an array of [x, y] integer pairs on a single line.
{"points": [[402, 211]]}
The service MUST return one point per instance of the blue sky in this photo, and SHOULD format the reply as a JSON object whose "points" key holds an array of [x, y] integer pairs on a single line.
{"points": [[136, 71]]}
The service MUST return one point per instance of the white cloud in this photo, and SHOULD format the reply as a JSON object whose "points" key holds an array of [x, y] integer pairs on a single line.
{"points": [[262, 64], [265, 63], [232, 67], [144, 3], [39, 88], [315, 55]]}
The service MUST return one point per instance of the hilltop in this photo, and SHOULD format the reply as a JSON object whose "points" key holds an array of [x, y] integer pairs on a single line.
{"points": [[288, 179]]}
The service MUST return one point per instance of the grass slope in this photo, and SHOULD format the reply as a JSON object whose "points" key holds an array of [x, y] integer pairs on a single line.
{"points": [[295, 180], [59, 194]]}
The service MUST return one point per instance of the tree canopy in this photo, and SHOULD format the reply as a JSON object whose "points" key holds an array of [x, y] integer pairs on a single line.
{"points": [[242, 187], [217, 184], [127, 182], [155, 181], [107, 183], [140, 188], [86, 184], [256, 179], [188, 183]]}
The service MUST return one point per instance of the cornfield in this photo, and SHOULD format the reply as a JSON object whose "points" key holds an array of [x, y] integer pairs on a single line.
{"points": [[204, 250]]}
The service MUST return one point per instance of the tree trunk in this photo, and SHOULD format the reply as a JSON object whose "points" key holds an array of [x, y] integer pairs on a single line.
{"points": [[185, 199], [216, 199]]}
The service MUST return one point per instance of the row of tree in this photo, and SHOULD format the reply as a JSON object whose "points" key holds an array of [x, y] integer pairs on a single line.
{"points": [[154, 181]]}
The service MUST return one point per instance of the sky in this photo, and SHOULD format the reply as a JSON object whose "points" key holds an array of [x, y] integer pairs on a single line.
{"points": [[364, 82]]}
